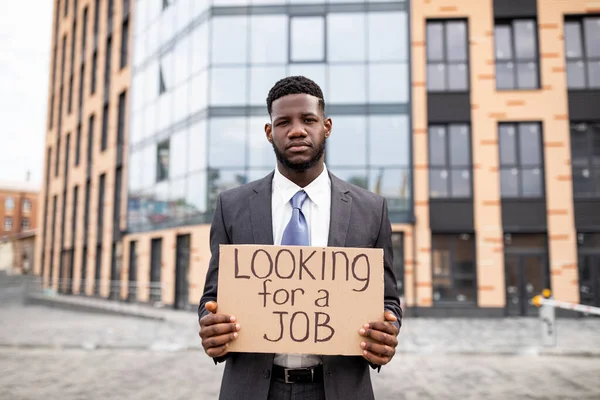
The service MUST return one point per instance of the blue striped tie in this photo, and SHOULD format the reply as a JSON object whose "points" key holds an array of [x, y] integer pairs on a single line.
{"points": [[296, 231]]}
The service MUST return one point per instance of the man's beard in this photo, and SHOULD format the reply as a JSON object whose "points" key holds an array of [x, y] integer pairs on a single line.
{"points": [[302, 166]]}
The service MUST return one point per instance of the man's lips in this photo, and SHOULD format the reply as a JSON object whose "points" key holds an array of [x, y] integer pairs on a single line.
{"points": [[298, 147]]}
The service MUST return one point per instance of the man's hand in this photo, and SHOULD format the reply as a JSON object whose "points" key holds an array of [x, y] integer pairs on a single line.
{"points": [[384, 334], [217, 331]]}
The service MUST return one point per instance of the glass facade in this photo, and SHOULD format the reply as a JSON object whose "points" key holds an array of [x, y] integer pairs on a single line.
{"points": [[201, 75]]}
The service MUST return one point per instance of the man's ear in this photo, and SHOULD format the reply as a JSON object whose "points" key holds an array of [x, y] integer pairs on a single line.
{"points": [[269, 132], [328, 125]]}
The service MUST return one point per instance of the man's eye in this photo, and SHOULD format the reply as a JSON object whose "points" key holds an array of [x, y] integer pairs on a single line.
{"points": [[281, 123], [310, 120]]}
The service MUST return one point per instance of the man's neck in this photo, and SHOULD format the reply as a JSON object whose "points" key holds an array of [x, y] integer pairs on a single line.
{"points": [[302, 178]]}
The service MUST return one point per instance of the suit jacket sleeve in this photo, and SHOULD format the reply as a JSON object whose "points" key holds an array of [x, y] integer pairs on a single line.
{"points": [[218, 236], [391, 296]]}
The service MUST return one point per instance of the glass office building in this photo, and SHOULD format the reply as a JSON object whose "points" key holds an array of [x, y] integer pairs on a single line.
{"points": [[201, 74]]}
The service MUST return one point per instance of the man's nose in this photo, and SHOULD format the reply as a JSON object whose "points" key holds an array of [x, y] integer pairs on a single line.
{"points": [[297, 130]]}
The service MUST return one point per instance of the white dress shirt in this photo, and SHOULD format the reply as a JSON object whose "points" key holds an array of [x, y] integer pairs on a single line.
{"points": [[317, 211]]}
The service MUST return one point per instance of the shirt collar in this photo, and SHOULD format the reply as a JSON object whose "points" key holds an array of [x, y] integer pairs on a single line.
{"points": [[318, 190]]}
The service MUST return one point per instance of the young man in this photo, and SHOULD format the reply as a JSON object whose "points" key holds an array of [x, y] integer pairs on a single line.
{"points": [[300, 203]]}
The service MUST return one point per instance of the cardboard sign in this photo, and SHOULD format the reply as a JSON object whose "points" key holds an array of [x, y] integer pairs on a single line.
{"points": [[300, 300]]}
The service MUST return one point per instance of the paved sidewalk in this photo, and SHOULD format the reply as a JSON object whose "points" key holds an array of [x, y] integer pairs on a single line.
{"points": [[43, 326]]}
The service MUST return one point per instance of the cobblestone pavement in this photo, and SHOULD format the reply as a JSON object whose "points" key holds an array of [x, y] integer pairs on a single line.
{"points": [[131, 374]]}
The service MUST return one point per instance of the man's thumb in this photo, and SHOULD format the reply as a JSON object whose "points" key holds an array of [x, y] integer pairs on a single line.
{"points": [[211, 306]]}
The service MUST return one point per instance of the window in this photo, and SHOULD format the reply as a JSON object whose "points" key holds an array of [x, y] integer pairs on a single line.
{"points": [[162, 161], [585, 159], [57, 160], [307, 39], [582, 48], [447, 56], [26, 206], [121, 119], [521, 165], [104, 137], [90, 146], [94, 70], [100, 220], [9, 204], [162, 88], [78, 145], [66, 8], [517, 57], [8, 224], [449, 161], [453, 268], [84, 33], [107, 67], [398, 250], [124, 44], [25, 223]]}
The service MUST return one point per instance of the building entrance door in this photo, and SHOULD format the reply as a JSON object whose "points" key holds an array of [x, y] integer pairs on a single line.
{"points": [[589, 279], [525, 279], [182, 267]]}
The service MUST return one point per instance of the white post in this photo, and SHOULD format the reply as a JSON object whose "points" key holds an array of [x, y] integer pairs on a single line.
{"points": [[548, 319]]}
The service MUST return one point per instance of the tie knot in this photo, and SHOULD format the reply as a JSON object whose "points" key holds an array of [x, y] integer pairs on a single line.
{"points": [[299, 199]]}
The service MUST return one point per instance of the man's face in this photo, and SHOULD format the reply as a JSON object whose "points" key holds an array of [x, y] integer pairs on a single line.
{"points": [[298, 131]]}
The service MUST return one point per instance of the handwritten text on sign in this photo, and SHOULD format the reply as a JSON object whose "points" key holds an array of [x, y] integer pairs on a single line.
{"points": [[295, 299]]}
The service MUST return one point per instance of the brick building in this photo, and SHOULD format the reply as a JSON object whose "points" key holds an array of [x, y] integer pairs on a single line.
{"points": [[476, 119], [18, 216]]}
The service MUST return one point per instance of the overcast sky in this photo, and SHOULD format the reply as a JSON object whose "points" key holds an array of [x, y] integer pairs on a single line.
{"points": [[25, 36]]}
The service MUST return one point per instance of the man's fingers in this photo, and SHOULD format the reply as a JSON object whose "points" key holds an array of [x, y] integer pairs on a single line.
{"points": [[212, 319], [217, 351], [218, 341], [380, 350], [375, 359], [218, 329], [383, 326], [379, 336]]}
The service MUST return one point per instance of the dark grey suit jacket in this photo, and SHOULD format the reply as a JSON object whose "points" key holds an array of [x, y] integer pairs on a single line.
{"points": [[359, 218]]}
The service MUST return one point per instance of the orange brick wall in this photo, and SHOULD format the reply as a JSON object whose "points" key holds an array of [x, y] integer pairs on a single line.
{"points": [[489, 106]]}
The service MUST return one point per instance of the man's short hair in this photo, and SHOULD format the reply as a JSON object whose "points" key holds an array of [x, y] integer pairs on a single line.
{"points": [[295, 85]]}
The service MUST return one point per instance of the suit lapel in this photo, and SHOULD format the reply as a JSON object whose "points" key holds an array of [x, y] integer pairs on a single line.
{"points": [[260, 211], [341, 204]]}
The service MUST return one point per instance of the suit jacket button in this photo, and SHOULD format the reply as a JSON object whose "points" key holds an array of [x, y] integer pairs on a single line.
{"points": [[328, 373], [266, 373]]}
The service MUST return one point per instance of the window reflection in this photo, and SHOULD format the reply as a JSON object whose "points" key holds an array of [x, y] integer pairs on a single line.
{"points": [[178, 146], [388, 140], [262, 80], [348, 143], [219, 180], [229, 40], [388, 83], [196, 150], [162, 161], [388, 25], [195, 198], [228, 86], [199, 52], [355, 176], [346, 37], [227, 142], [340, 91], [307, 39], [394, 185], [263, 29], [260, 151], [199, 92]]}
